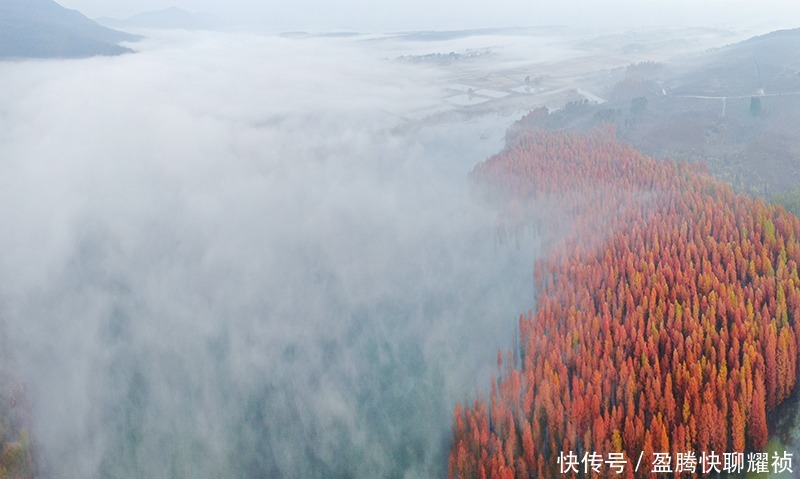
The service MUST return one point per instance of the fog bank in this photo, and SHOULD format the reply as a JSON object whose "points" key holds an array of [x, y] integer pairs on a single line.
{"points": [[223, 258]]}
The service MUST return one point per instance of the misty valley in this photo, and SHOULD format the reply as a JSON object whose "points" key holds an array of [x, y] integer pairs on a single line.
{"points": [[475, 253]]}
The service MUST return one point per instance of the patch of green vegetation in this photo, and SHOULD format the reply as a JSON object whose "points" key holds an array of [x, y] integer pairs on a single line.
{"points": [[755, 106], [789, 200], [15, 456], [638, 106], [774, 448], [607, 115]]}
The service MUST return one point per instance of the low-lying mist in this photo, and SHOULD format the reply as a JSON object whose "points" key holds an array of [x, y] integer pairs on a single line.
{"points": [[222, 258]]}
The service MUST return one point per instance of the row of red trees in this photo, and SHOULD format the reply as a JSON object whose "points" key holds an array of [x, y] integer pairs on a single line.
{"points": [[665, 314]]}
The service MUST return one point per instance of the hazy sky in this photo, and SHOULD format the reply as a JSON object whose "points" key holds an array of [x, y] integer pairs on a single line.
{"points": [[452, 14]]}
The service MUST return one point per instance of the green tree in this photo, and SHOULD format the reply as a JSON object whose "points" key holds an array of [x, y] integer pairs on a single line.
{"points": [[755, 106], [638, 105]]}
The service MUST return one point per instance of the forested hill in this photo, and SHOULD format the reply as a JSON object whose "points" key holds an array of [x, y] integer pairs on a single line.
{"points": [[735, 108], [665, 319], [45, 29], [767, 64]]}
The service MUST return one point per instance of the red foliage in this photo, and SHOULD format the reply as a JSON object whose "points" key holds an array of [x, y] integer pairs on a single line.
{"points": [[666, 316]]}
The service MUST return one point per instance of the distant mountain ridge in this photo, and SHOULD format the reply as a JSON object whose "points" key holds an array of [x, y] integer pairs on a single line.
{"points": [[45, 29], [168, 18]]}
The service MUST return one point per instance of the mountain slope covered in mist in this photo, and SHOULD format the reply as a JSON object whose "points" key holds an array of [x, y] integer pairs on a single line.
{"points": [[666, 321], [45, 29], [734, 108], [764, 64]]}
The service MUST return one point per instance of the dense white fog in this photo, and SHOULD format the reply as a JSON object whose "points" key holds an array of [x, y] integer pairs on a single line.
{"points": [[229, 256]]}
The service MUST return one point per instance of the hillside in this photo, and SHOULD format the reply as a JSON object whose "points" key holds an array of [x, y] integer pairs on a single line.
{"points": [[665, 318], [734, 108], [766, 64], [44, 29]]}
